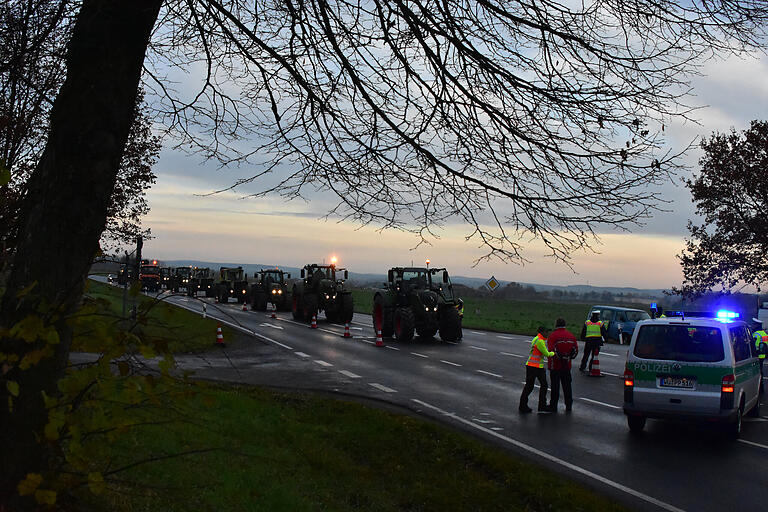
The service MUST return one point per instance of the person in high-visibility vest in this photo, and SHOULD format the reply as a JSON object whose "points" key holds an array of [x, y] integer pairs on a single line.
{"points": [[535, 369], [460, 309], [593, 334], [761, 344]]}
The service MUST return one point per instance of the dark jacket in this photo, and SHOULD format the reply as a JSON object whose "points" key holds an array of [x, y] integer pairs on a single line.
{"points": [[565, 347]]}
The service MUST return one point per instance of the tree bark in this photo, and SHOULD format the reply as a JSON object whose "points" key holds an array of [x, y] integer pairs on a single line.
{"points": [[65, 209]]}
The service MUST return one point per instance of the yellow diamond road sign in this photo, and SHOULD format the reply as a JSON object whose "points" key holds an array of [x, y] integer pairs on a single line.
{"points": [[492, 283]]}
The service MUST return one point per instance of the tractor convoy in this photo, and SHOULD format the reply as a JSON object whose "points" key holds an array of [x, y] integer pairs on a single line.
{"points": [[415, 301]]}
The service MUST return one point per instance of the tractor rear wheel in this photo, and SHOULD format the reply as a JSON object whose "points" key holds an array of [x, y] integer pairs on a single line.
{"points": [[450, 325], [297, 307], [347, 308], [382, 317], [310, 307], [404, 324]]}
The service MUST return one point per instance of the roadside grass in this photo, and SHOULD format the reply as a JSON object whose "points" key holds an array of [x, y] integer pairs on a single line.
{"points": [[182, 330], [279, 451], [513, 316]]}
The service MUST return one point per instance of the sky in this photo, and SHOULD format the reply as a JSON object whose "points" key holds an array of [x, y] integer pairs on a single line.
{"points": [[188, 223]]}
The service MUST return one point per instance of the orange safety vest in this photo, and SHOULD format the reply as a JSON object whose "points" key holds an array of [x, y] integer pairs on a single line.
{"points": [[535, 359]]}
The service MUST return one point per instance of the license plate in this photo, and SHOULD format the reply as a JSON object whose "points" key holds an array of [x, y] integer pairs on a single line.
{"points": [[677, 382]]}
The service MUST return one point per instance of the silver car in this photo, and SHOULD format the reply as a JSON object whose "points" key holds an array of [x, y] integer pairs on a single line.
{"points": [[693, 368]]}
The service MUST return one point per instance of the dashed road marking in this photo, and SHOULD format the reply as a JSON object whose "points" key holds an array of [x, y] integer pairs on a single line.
{"points": [[478, 348], [611, 374], [609, 354], [349, 374], [600, 403], [510, 354], [390, 347], [751, 443], [485, 422], [490, 373], [301, 354], [448, 362], [480, 333], [381, 387], [419, 355], [556, 460], [322, 363], [504, 337]]}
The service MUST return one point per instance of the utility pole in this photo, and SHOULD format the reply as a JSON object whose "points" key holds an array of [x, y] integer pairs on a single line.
{"points": [[137, 272]]}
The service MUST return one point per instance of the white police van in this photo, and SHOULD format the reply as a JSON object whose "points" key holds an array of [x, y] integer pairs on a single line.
{"points": [[692, 366]]}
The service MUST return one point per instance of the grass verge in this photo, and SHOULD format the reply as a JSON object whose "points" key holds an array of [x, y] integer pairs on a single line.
{"points": [[277, 451], [183, 330]]}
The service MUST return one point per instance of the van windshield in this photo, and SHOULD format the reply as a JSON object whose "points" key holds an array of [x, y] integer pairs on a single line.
{"points": [[636, 316], [680, 343]]}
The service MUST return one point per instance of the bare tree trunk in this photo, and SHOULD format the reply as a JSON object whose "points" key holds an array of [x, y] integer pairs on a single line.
{"points": [[65, 209]]}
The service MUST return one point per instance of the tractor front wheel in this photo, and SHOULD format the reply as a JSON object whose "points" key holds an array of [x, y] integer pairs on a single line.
{"points": [[450, 325], [404, 324]]}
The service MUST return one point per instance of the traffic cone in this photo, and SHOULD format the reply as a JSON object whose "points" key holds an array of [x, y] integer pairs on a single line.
{"points": [[273, 315], [347, 334], [219, 336], [379, 340], [314, 322], [245, 306], [595, 370]]}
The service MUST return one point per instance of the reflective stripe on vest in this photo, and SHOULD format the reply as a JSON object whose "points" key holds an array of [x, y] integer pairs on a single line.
{"points": [[535, 358], [593, 329]]}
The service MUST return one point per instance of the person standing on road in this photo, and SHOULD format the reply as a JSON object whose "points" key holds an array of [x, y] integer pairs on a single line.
{"points": [[761, 344], [592, 334], [534, 369], [563, 343], [460, 309]]}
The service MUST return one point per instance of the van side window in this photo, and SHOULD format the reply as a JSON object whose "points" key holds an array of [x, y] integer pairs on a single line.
{"points": [[740, 341], [621, 316], [606, 315]]}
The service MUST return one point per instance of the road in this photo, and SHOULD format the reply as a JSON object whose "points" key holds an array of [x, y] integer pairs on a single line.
{"points": [[476, 384]]}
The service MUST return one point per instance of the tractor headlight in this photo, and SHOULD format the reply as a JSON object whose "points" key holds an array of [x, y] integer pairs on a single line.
{"points": [[279, 292], [334, 295], [243, 291], [326, 296], [426, 309], [273, 292], [435, 308], [231, 291]]}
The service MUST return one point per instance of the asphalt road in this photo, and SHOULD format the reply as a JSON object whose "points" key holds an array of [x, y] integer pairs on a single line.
{"points": [[476, 384]]}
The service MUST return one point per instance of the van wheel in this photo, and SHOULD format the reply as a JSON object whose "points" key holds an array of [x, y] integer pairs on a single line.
{"points": [[636, 423], [754, 412], [734, 429]]}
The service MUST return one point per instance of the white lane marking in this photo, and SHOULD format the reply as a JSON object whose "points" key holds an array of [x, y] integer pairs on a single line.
{"points": [[490, 373], [609, 354], [484, 422], [552, 458], [356, 328], [349, 374], [513, 355], [243, 329], [381, 387], [391, 347], [600, 403], [609, 373], [358, 323], [480, 333], [322, 363], [758, 420], [504, 337], [419, 355], [496, 428], [301, 354], [448, 362], [752, 443], [367, 341], [265, 324], [478, 348]]}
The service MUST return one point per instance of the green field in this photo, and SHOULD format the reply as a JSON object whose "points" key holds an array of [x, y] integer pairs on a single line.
{"points": [[277, 451], [513, 316], [184, 330]]}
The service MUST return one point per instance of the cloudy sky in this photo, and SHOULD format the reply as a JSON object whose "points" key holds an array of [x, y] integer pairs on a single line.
{"points": [[188, 224]]}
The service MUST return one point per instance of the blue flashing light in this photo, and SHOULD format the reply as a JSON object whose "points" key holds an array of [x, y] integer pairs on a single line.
{"points": [[727, 315], [653, 305]]}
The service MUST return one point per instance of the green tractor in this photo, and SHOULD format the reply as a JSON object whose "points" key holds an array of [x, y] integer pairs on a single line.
{"points": [[271, 286], [200, 280], [180, 279], [233, 283], [322, 288], [417, 299]]}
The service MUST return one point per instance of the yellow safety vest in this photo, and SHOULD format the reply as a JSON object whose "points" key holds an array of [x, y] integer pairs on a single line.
{"points": [[536, 358], [593, 329], [760, 337]]}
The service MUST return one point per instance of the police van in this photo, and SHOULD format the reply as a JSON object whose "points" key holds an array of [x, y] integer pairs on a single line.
{"points": [[692, 366]]}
